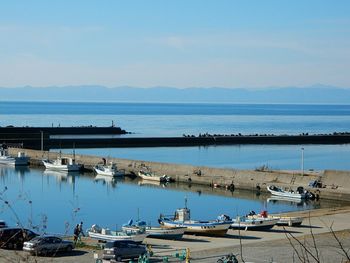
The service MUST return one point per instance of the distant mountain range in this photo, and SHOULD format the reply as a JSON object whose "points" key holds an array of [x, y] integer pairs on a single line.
{"points": [[314, 94]]}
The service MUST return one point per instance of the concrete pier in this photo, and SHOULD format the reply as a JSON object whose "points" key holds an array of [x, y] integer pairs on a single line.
{"points": [[336, 184]]}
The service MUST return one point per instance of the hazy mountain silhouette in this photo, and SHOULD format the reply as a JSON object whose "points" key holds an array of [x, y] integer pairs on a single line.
{"points": [[312, 94]]}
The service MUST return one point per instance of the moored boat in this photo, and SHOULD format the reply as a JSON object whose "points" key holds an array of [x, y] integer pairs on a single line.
{"points": [[182, 219], [299, 194], [147, 175], [20, 159], [105, 234], [108, 170], [62, 164]]}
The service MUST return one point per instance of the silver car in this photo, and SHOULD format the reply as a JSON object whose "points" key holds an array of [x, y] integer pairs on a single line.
{"points": [[122, 249], [47, 244]]}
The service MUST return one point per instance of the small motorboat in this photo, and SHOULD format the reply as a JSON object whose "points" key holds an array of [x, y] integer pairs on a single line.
{"points": [[147, 175], [299, 194], [253, 223], [105, 234], [108, 170], [20, 159], [288, 220], [218, 227], [155, 232]]}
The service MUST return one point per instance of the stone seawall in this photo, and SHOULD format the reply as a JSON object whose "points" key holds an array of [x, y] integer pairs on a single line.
{"points": [[336, 184]]}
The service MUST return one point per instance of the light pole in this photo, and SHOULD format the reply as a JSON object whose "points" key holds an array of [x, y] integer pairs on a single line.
{"points": [[302, 161]]}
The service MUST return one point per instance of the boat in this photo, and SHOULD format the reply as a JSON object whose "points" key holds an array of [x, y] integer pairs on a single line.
{"points": [[108, 170], [288, 220], [147, 175], [155, 232], [105, 234], [253, 223], [299, 194], [62, 164], [281, 220], [218, 227], [67, 164], [20, 159]]}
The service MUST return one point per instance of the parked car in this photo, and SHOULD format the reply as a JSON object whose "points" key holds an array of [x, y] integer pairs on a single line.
{"points": [[47, 244], [123, 249], [14, 237]]}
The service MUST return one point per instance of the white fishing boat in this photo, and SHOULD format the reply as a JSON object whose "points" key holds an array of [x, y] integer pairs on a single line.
{"points": [[147, 175], [62, 164], [108, 170], [182, 218], [299, 194], [105, 234], [20, 159], [155, 232]]}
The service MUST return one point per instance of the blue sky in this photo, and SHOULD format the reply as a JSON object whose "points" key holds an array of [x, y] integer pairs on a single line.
{"points": [[182, 43]]}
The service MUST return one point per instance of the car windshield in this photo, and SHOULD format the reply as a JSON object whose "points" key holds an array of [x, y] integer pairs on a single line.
{"points": [[37, 239]]}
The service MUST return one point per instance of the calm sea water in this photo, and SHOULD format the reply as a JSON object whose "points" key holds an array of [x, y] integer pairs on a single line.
{"points": [[55, 202], [55, 198]]}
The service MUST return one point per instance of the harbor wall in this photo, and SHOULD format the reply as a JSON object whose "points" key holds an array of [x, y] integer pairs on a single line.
{"points": [[335, 184]]}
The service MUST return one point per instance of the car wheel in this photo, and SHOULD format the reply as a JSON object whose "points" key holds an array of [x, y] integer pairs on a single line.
{"points": [[118, 258], [10, 246], [69, 248], [44, 252]]}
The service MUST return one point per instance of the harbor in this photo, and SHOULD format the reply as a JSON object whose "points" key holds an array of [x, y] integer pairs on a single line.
{"points": [[103, 187], [335, 184]]}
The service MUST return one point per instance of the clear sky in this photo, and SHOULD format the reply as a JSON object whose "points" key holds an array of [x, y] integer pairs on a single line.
{"points": [[178, 43]]}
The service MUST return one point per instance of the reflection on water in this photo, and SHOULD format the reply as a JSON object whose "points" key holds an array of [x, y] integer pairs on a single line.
{"points": [[57, 201]]}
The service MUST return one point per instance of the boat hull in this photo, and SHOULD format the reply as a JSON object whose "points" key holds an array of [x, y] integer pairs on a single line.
{"points": [[105, 237], [165, 233], [200, 228], [289, 221], [108, 172], [62, 167], [255, 224], [285, 194], [15, 161]]}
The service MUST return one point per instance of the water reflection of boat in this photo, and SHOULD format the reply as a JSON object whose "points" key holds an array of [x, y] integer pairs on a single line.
{"points": [[152, 183], [62, 175], [285, 199], [106, 179]]}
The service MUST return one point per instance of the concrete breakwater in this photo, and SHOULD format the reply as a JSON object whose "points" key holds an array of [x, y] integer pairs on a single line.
{"points": [[335, 184], [40, 138]]}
